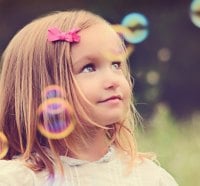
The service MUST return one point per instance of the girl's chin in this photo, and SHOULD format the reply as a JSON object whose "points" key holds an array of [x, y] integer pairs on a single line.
{"points": [[111, 121]]}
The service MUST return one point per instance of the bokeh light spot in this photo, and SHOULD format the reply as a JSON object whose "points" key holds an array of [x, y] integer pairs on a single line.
{"points": [[164, 54], [153, 77], [151, 94]]}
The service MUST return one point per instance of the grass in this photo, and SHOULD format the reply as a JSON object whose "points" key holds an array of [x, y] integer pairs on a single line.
{"points": [[176, 144]]}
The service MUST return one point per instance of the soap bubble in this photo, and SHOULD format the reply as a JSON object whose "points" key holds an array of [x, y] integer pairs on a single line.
{"points": [[137, 28], [195, 12], [3, 145], [55, 114]]}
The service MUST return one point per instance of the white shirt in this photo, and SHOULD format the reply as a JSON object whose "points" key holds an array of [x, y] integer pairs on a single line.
{"points": [[110, 170]]}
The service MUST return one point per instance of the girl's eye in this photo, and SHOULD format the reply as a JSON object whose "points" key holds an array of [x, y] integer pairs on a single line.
{"points": [[88, 68], [116, 65]]}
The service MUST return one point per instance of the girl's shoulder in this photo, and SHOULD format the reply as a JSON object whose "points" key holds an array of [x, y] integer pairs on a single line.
{"points": [[14, 172], [149, 171]]}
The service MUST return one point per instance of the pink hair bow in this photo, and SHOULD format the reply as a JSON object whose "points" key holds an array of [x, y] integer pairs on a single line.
{"points": [[54, 34]]}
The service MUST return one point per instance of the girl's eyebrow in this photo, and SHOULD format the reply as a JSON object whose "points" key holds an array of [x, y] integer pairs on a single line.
{"points": [[83, 60], [112, 55]]}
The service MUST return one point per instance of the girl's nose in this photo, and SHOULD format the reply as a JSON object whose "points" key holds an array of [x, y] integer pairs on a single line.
{"points": [[111, 80]]}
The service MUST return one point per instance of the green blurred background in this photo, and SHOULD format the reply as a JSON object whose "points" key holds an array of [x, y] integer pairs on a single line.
{"points": [[165, 67]]}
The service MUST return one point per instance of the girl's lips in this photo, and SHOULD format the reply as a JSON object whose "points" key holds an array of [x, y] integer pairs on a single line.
{"points": [[112, 98]]}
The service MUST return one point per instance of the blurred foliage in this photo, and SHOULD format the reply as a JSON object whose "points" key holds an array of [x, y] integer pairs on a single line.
{"points": [[176, 144]]}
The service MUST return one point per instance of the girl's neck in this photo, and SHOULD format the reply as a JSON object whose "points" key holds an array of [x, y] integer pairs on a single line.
{"points": [[96, 149]]}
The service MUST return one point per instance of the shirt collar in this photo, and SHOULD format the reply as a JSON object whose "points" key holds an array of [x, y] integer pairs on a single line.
{"points": [[77, 162]]}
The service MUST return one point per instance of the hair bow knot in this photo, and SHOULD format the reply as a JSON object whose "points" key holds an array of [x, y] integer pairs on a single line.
{"points": [[54, 34]]}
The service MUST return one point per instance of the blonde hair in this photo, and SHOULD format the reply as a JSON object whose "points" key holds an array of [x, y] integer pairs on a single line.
{"points": [[30, 64]]}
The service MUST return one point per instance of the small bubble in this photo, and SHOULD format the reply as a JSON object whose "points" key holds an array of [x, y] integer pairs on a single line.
{"points": [[195, 12], [3, 145]]}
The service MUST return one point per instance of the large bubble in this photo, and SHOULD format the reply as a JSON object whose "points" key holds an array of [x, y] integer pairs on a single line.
{"points": [[135, 30], [55, 114]]}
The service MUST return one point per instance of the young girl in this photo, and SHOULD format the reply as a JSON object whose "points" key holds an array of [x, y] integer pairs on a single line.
{"points": [[66, 107]]}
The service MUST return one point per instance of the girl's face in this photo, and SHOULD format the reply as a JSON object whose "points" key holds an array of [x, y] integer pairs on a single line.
{"points": [[98, 64]]}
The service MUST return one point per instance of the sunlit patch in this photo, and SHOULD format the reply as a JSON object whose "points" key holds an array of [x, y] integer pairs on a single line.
{"points": [[135, 30], [195, 12], [3, 145], [196, 117], [55, 114]]}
